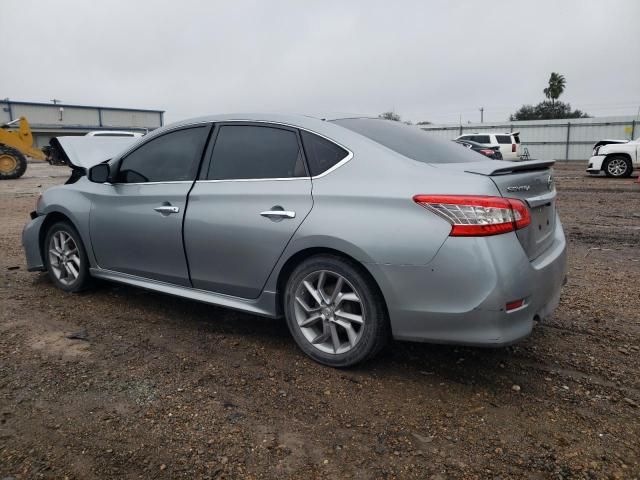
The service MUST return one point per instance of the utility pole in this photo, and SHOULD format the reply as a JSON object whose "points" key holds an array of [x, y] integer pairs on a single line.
{"points": [[481, 114], [55, 101]]}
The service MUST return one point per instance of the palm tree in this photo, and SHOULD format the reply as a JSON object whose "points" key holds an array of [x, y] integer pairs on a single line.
{"points": [[555, 88]]}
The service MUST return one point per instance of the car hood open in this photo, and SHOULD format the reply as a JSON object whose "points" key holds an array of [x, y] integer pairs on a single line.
{"points": [[86, 152]]}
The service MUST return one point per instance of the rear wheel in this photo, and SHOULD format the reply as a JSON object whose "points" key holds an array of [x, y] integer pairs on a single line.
{"points": [[66, 258], [335, 312], [618, 166], [13, 164]]}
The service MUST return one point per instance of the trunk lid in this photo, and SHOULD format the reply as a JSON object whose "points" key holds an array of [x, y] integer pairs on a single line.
{"points": [[531, 182]]}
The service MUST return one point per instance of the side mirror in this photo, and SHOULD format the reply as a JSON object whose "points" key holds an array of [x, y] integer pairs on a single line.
{"points": [[99, 173]]}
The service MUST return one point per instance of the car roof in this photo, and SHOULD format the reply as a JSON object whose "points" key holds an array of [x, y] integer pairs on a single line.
{"points": [[321, 125]]}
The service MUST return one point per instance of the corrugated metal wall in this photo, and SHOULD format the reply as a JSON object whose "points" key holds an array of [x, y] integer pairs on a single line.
{"points": [[42, 115], [117, 118], [553, 139], [77, 116]]}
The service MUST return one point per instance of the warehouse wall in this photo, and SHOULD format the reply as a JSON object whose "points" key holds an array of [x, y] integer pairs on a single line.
{"points": [[552, 139], [80, 116], [116, 118]]}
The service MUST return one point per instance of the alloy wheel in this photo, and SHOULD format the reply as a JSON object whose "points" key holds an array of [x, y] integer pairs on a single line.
{"points": [[329, 312], [617, 167], [64, 257]]}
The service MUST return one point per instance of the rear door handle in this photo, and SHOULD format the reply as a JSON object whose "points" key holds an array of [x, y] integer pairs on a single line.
{"points": [[167, 209], [278, 214]]}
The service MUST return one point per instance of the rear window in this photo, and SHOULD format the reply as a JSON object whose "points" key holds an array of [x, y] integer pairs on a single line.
{"points": [[503, 139], [409, 141], [517, 138], [321, 153], [478, 138]]}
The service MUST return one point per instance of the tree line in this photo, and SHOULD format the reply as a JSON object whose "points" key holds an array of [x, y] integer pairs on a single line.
{"points": [[549, 109]]}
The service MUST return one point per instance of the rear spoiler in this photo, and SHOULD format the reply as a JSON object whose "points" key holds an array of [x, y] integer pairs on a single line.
{"points": [[490, 168], [496, 167]]}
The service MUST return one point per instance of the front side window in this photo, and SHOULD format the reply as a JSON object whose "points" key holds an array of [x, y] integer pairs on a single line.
{"points": [[255, 152], [168, 158], [321, 153]]}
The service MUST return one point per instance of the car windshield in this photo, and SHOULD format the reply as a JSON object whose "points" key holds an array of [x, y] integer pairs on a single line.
{"points": [[408, 140]]}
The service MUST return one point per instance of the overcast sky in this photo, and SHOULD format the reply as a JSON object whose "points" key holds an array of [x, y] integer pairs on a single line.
{"points": [[425, 60]]}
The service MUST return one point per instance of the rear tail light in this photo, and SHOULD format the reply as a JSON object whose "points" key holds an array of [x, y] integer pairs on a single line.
{"points": [[487, 152], [513, 147], [477, 216]]}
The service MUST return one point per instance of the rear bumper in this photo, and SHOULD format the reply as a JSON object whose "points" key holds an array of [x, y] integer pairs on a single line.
{"points": [[31, 244], [460, 296], [595, 163]]}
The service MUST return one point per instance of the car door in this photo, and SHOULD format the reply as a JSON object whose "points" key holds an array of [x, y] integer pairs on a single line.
{"points": [[246, 206], [136, 221]]}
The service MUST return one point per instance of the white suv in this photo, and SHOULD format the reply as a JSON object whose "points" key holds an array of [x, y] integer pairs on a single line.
{"points": [[616, 158], [508, 142]]}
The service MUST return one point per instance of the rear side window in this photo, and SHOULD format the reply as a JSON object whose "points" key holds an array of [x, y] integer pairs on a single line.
{"points": [[321, 153], [247, 151], [410, 141], [481, 139], [171, 157], [503, 139]]}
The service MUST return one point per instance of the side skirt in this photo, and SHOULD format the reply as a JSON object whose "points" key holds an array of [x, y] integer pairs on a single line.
{"points": [[264, 305]]}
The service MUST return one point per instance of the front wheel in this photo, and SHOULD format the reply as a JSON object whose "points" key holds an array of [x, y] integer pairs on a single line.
{"points": [[335, 312], [617, 167], [66, 258]]}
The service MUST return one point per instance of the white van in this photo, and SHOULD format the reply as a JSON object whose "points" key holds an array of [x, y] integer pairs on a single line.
{"points": [[508, 142]]}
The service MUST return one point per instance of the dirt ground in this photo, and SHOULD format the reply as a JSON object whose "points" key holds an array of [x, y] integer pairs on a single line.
{"points": [[168, 388]]}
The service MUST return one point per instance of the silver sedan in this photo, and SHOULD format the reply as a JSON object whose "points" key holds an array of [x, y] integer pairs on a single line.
{"points": [[356, 230]]}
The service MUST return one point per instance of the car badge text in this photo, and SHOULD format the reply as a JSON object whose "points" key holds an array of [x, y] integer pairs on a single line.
{"points": [[519, 188]]}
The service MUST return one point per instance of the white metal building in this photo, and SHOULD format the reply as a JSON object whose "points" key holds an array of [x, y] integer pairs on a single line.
{"points": [[49, 120], [569, 139]]}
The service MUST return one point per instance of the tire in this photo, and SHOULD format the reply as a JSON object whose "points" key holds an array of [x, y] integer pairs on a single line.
{"points": [[618, 167], [320, 328], [66, 258], [13, 163]]}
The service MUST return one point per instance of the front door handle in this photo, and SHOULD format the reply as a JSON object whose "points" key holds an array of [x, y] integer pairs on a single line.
{"points": [[278, 214], [167, 209]]}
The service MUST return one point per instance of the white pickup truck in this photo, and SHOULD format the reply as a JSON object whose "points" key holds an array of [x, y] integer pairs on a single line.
{"points": [[616, 158]]}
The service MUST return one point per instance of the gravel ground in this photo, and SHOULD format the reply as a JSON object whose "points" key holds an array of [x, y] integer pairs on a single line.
{"points": [[167, 388]]}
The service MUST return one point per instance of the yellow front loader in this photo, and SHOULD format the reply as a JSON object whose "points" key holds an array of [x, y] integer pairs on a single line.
{"points": [[15, 146]]}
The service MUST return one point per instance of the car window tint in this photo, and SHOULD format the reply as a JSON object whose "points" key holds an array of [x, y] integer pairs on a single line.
{"points": [[321, 153], [170, 157], [246, 151], [503, 139], [516, 138], [410, 141], [482, 139]]}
